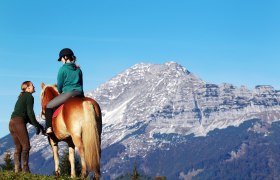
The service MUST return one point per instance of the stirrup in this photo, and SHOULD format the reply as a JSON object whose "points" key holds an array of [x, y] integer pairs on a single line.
{"points": [[49, 130]]}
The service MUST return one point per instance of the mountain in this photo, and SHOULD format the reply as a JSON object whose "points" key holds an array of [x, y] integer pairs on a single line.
{"points": [[171, 123]]}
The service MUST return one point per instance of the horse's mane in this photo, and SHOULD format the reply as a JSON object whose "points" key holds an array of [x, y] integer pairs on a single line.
{"points": [[50, 90], [48, 93]]}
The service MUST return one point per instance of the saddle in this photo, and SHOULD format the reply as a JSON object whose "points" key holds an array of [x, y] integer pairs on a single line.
{"points": [[57, 110]]}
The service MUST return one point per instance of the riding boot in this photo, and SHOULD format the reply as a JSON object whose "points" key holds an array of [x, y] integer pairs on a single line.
{"points": [[24, 160], [49, 114], [17, 162]]}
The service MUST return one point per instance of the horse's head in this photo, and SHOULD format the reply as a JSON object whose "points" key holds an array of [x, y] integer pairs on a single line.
{"points": [[48, 93]]}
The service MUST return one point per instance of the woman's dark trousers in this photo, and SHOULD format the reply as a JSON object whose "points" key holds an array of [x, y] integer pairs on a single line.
{"points": [[20, 137]]}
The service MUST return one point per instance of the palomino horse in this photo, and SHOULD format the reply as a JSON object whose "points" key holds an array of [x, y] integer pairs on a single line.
{"points": [[79, 123]]}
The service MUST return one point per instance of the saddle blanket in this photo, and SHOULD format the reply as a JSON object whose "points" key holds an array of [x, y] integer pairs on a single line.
{"points": [[57, 110]]}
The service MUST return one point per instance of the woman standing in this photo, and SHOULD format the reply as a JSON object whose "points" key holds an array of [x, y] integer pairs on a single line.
{"points": [[69, 84], [23, 114]]}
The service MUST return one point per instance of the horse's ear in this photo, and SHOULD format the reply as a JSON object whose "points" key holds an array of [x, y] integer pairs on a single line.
{"points": [[42, 85], [55, 85]]}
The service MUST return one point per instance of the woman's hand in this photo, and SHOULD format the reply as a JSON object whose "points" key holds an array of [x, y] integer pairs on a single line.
{"points": [[39, 129]]}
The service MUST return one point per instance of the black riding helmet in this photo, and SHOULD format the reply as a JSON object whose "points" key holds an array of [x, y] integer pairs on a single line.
{"points": [[66, 52]]}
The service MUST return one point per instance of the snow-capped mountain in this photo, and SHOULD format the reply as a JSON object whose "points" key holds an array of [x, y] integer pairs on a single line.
{"points": [[168, 99], [152, 107]]}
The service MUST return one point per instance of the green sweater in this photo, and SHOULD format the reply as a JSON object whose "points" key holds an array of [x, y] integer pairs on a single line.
{"points": [[69, 78], [24, 109]]}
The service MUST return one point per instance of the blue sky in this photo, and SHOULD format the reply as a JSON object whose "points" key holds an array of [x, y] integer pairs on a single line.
{"points": [[233, 41]]}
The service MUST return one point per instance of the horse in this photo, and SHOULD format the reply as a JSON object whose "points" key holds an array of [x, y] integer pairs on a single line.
{"points": [[79, 124]]}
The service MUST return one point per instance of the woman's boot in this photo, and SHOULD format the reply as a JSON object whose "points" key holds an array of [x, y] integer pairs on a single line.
{"points": [[17, 162], [24, 160], [48, 115]]}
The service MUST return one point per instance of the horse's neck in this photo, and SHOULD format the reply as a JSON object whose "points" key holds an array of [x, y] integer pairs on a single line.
{"points": [[51, 94]]}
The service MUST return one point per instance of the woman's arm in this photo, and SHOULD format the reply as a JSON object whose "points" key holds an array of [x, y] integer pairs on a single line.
{"points": [[30, 111]]}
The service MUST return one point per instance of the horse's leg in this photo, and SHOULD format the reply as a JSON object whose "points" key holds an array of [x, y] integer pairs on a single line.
{"points": [[97, 175], [79, 144], [55, 156], [72, 158]]}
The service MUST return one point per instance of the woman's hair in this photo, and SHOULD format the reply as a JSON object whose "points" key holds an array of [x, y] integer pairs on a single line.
{"points": [[24, 85], [71, 58]]}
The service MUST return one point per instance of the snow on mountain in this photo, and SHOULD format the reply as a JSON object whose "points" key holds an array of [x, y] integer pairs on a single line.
{"points": [[150, 100]]}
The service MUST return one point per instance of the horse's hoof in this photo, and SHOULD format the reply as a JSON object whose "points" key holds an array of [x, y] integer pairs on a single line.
{"points": [[57, 174]]}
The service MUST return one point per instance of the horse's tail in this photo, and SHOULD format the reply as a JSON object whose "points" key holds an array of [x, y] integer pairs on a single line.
{"points": [[90, 138]]}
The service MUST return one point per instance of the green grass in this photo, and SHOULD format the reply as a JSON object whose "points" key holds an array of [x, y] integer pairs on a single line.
{"points": [[10, 175]]}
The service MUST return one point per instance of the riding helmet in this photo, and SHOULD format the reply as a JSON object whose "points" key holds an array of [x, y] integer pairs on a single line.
{"points": [[65, 52]]}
